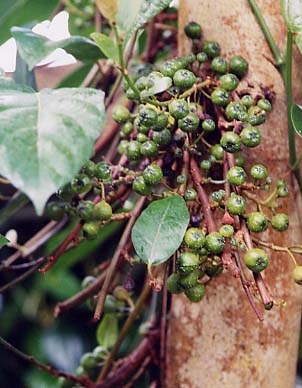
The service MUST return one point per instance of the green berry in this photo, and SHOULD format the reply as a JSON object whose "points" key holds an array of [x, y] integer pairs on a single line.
{"points": [[205, 164], [258, 171], [211, 48], [230, 142], [238, 65], [162, 121], [88, 361], [250, 137], [220, 97], [188, 261], [87, 281], [91, 230], [194, 238], [173, 285], [149, 148], [184, 78], [127, 128], [189, 123], [102, 171], [236, 176], [282, 192], [257, 222], [193, 30], [187, 59], [140, 186], [100, 353], [168, 68], [147, 116], [189, 279], [162, 138], [208, 125], [236, 204], [247, 100], [120, 114], [229, 82], [256, 259], [141, 83], [152, 174], [297, 274], [190, 195], [217, 151], [234, 110], [81, 183], [219, 65], [239, 159], [195, 293], [131, 95], [217, 196], [102, 211], [85, 209], [256, 116], [214, 270], [264, 105], [122, 147], [280, 222], [64, 383], [178, 109], [181, 179], [226, 230], [55, 210], [133, 150], [66, 193], [214, 242], [280, 183], [202, 57], [141, 137], [89, 168]]}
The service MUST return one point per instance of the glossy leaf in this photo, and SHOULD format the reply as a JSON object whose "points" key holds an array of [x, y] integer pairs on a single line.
{"points": [[108, 8], [21, 12], [159, 230], [106, 45], [46, 137], [107, 331], [296, 116], [3, 241], [292, 13], [160, 85], [34, 47]]}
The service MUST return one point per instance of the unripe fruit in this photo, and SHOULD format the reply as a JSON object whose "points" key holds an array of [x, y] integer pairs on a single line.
{"points": [[99, 353], [230, 142], [184, 78], [188, 261], [102, 171], [238, 65], [189, 280], [202, 57], [236, 176], [194, 238], [85, 209], [120, 114], [256, 115], [55, 210], [133, 151], [149, 148], [147, 116], [173, 285], [236, 204], [217, 151], [264, 105], [87, 281], [195, 293], [256, 259], [211, 48], [193, 30], [214, 242], [250, 136], [229, 82], [297, 274], [178, 109], [102, 211], [81, 183], [140, 186], [235, 110], [280, 222], [226, 230], [88, 361], [257, 222], [219, 65], [91, 230], [208, 125], [162, 138], [189, 123], [258, 171], [190, 195], [247, 100], [220, 97], [152, 174]]}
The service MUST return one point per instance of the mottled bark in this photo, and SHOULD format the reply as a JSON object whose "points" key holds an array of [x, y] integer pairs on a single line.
{"points": [[219, 342]]}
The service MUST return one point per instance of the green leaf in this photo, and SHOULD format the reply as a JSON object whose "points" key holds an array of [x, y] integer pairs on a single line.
{"points": [[21, 12], [46, 137], [160, 85], [159, 230], [296, 116], [34, 47], [107, 331], [298, 40], [108, 8], [292, 13], [3, 241], [106, 45]]}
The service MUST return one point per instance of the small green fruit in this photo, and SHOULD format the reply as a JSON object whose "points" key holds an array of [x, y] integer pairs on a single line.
{"points": [[256, 259]]}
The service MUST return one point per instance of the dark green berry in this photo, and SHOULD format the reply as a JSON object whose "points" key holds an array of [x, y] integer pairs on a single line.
{"points": [[120, 114], [229, 82], [239, 159], [140, 186], [178, 109], [257, 222], [88, 361], [55, 210], [89, 168], [297, 274], [194, 238], [250, 136], [258, 171], [66, 193], [213, 270], [217, 196], [196, 293], [202, 57], [189, 279], [102, 211], [226, 230], [64, 383], [100, 353], [217, 151], [190, 195], [162, 137], [193, 30], [184, 78], [208, 125], [147, 116], [168, 68], [173, 284], [85, 209], [140, 127], [102, 171], [220, 97], [91, 229], [214, 242], [189, 123], [188, 261], [141, 83], [236, 176], [211, 48], [264, 105], [280, 222], [187, 59], [234, 110], [238, 65], [256, 116], [236, 205], [230, 142], [256, 259], [149, 148], [162, 121], [153, 174], [81, 183], [133, 150], [219, 65], [181, 179]]}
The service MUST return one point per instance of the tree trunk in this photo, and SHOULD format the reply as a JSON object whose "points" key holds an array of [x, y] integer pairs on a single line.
{"points": [[219, 342]]}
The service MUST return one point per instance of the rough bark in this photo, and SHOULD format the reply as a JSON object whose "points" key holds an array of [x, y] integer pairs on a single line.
{"points": [[219, 342]]}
